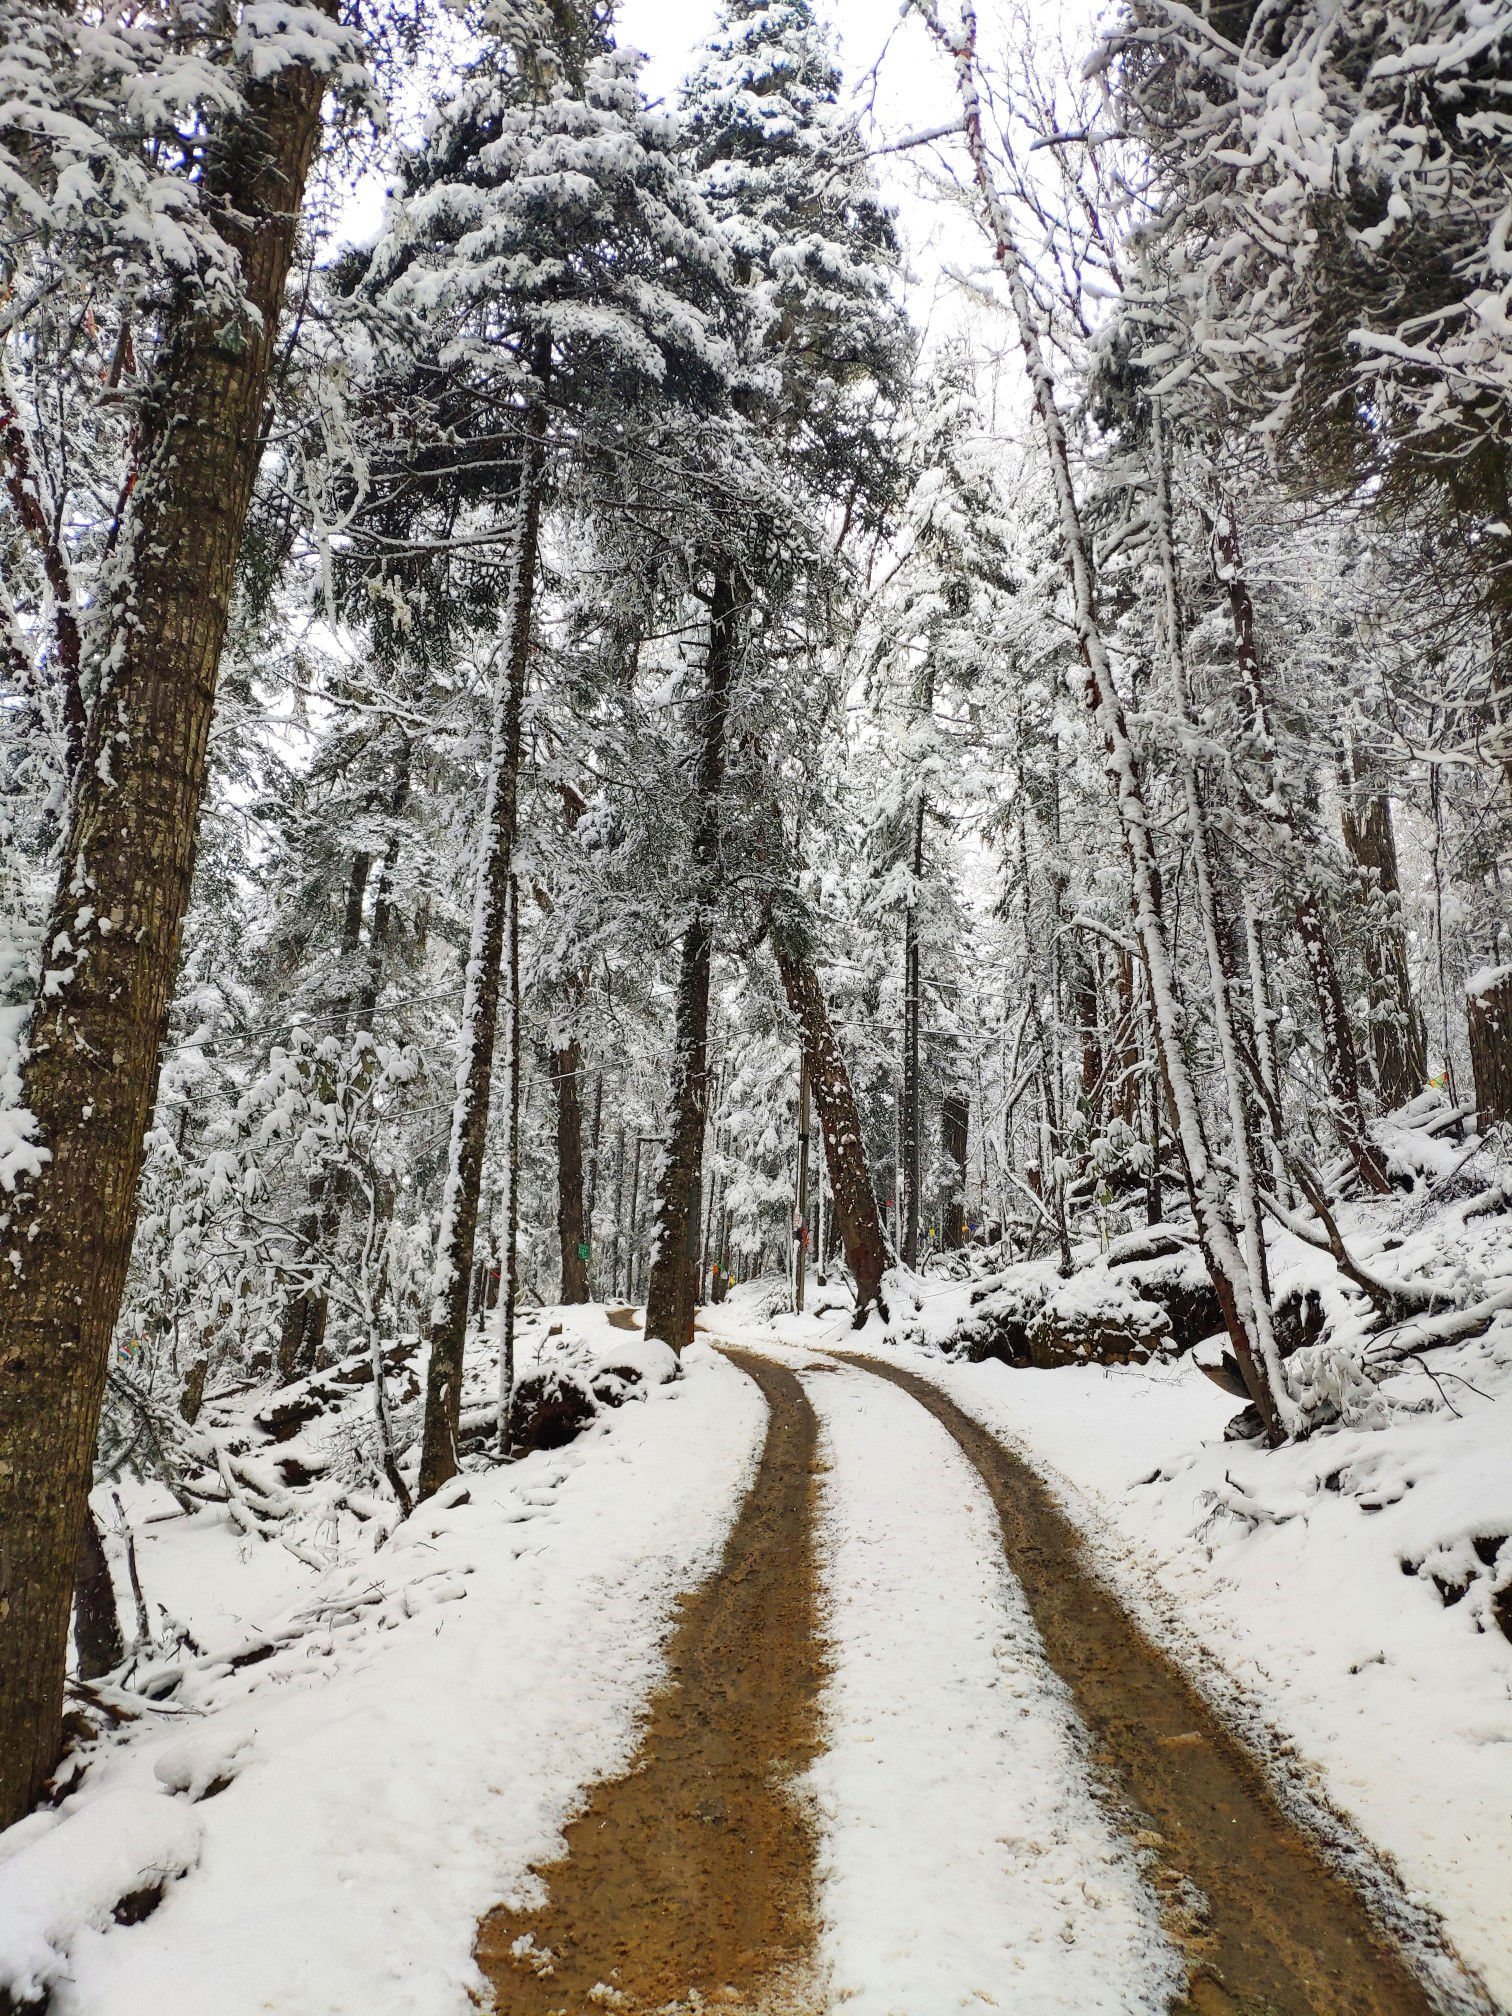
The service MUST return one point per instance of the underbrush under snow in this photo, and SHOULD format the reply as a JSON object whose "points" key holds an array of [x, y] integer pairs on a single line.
{"points": [[371, 1746]]}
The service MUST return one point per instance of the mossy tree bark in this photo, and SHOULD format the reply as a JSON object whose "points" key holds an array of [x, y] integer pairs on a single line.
{"points": [[114, 934]]}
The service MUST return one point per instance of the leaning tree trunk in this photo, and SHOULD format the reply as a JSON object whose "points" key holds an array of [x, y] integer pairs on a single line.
{"points": [[671, 1292], [1340, 1058], [853, 1200], [113, 938], [447, 1328], [572, 1234], [1399, 1047], [1262, 1367], [1233, 1281]]}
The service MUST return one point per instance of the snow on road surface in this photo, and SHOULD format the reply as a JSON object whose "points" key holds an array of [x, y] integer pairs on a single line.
{"points": [[1298, 1616], [964, 1861], [395, 1770]]}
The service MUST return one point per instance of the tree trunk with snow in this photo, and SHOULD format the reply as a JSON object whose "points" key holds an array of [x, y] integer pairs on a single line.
{"points": [[1233, 1280], [853, 1200], [1398, 1046], [572, 1224], [1488, 1007], [447, 1328], [113, 938], [509, 1285], [672, 1290], [98, 1645], [955, 1135], [912, 1158], [1341, 1062]]}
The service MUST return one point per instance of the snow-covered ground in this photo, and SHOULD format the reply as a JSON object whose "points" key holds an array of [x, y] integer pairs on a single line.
{"points": [[964, 1862], [364, 1736], [345, 1809], [1339, 1598]]}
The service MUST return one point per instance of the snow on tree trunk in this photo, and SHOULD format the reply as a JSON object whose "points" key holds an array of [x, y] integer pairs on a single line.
{"points": [[1340, 1059], [853, 1201], [1488, 1005], [112, 943], [672, 1290], [955, 1134], [98, 1645], [1257, 1353], [1232, 1277], [509, 1287], [447, 1328], [912, 1173], [1398, 1046]]}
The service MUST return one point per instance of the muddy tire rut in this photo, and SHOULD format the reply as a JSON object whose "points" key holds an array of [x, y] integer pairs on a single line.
{"points": [[1267, 1926], [688, 1883]]}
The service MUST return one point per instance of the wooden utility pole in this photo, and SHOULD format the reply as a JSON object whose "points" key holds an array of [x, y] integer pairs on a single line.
{"points": [[801, 1228]]}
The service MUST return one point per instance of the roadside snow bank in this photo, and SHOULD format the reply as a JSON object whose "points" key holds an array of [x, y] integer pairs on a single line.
{"points": [[400, 1743], [965, 1863]]}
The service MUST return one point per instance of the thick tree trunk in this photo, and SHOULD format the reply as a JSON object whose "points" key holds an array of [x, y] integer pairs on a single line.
{"points": [[447, 1328], [113, 940], [1488, 1005], [1399, 1048], [671, 1291], [572, 1233], [853, 1200], [1236, 1287]]}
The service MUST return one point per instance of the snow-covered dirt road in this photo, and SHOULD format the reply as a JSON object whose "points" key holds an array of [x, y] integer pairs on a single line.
{"points": [[788, 1689], [1015, 1801]]}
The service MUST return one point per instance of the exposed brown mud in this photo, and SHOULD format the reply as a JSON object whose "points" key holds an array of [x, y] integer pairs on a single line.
{"points": [[689, 1883], [1268, 1927]]}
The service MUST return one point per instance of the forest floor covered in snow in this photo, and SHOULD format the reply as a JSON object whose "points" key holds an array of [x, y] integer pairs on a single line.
{"points": [[365, 1756], [992, 1645]]}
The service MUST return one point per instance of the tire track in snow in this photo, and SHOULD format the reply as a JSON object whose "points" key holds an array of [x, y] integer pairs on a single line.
{"points": [[687, 1883], [964, 1861], [1277, 1932]]}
